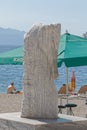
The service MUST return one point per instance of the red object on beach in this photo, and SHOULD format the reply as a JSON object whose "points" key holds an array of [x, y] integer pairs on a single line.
{"points": [[72, 86]]}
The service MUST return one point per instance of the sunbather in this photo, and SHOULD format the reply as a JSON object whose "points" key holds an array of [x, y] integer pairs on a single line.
{"points": [[11, 89]]}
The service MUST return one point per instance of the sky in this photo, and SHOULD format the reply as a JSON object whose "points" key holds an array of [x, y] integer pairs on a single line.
{"points": [[23, 14]]}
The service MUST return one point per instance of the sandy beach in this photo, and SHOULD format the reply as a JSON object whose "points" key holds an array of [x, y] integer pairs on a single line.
{"points": [[12, 103]]}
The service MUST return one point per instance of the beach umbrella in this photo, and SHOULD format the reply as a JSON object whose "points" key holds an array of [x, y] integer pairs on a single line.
{"points": [[72, 52], [14, 57], [72, 85]]}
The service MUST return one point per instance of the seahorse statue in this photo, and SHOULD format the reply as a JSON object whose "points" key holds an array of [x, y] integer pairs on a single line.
{"points": [[40, 69]]}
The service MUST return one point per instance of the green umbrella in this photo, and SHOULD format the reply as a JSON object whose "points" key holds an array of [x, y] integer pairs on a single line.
{"points": [[14, 57], [72, 51]]}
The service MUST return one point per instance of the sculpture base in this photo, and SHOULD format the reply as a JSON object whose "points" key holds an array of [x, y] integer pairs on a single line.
{"points": [[13, 121]]}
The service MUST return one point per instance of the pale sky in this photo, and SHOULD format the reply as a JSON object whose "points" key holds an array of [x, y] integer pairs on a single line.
{"points": [[22, 14]]}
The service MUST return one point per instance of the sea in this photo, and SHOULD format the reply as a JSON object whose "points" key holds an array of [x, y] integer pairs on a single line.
{"points": [[10, 73], [14, 73]]}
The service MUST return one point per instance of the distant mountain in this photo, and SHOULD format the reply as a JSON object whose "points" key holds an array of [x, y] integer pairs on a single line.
{"points": [[11, 37]]}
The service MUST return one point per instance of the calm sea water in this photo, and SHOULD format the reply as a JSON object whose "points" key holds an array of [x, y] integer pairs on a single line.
{"points": [[80, 74], [10, 73], [14, 73]]}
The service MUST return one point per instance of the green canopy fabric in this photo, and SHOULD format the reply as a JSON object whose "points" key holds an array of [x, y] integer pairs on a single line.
{"points": [[14, 57], [72, 51]]}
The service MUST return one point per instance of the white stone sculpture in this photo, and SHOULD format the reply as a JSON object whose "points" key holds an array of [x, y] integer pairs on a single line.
{"points": [[40, 70]]}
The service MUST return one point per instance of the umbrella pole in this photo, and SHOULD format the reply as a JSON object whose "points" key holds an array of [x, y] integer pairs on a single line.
{"points": [[67, 83]]}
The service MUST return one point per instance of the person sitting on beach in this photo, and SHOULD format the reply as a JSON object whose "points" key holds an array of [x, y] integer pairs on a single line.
{"points": [[62, 89], [11, 89]]}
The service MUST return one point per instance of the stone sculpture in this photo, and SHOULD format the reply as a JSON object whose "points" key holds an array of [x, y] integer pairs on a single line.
{"points": [[40, 70]]}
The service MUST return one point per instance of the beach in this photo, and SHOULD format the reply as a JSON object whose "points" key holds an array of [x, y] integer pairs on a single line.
{"points": [[80, 110], [12, 103]]}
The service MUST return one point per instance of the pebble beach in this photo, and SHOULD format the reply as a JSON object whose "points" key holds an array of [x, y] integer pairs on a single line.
{"points": [[12, 103], [81, 108]]}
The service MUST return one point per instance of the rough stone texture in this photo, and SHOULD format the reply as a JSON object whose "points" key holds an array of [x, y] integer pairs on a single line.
{"points": [[40, 70]]}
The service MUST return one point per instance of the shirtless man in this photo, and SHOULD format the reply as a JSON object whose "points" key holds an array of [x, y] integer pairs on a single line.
{"points": [[11, 89]]}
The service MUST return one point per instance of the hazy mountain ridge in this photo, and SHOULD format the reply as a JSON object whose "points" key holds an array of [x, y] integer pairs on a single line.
{"points": [[12, 37]]}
